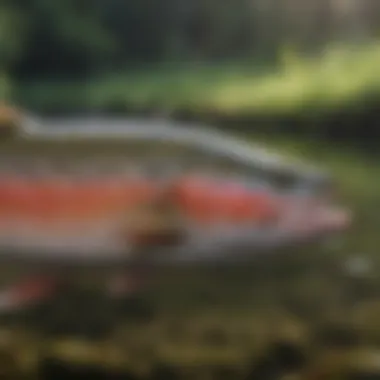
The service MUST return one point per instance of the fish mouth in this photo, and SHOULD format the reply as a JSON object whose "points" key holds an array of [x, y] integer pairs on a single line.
{"points": [[325, 219], [335, 220]]}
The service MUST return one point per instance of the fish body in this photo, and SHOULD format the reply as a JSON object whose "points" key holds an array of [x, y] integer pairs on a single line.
{"points": [[92, 192]]}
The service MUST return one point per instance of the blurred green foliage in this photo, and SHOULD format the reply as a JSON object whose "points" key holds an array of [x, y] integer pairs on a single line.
{"points": [[236, 59]]}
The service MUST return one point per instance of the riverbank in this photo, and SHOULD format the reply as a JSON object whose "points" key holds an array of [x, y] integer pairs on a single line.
{"points": [[335, 94]]}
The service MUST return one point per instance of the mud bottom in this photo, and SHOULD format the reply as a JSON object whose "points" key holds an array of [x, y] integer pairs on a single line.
{"points": [[283, 359], [83, 314], [53, 369]]}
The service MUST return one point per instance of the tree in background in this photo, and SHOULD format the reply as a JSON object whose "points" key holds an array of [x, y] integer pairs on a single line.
{"points": [[42, 39]]}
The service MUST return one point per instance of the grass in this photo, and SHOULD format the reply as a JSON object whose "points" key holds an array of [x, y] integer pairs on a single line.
{"points": [[340, 76]]}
